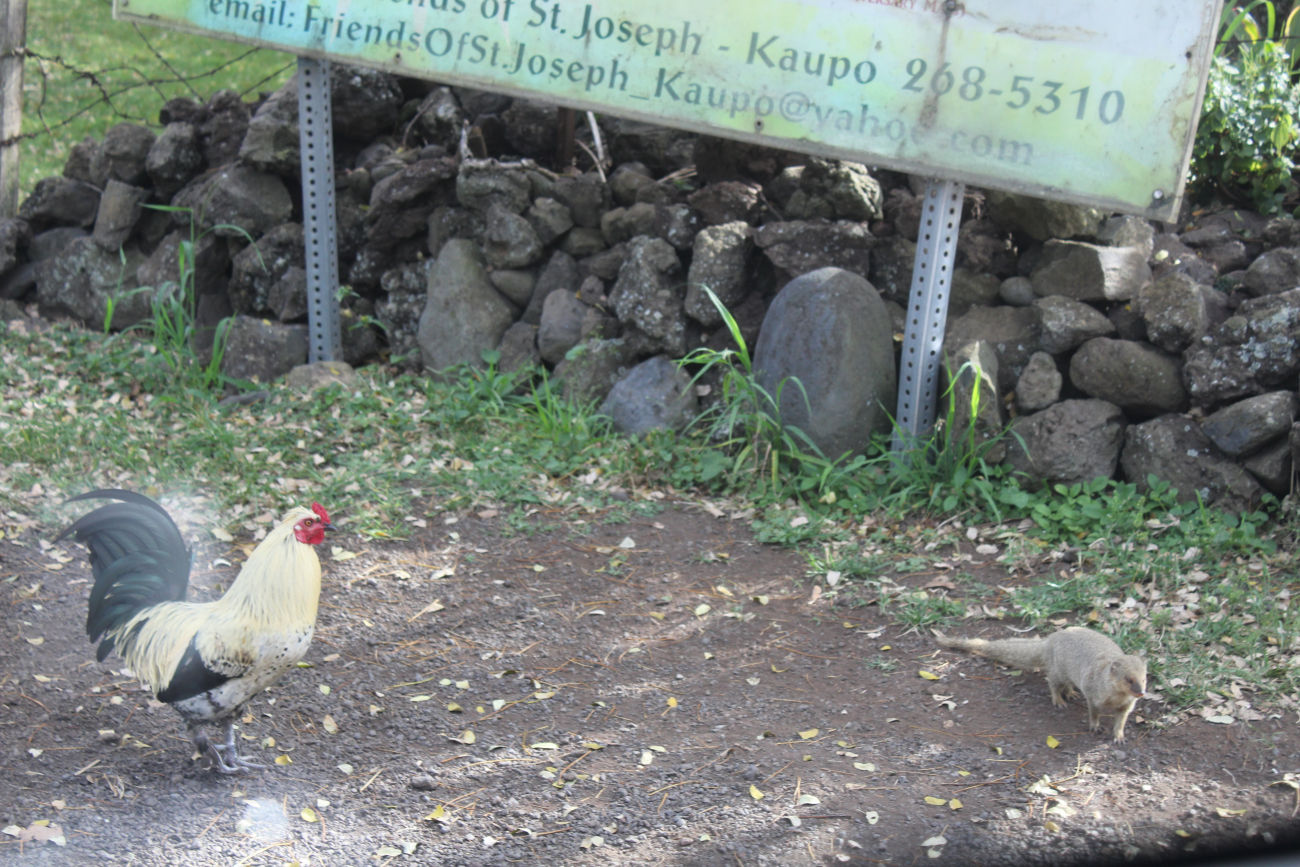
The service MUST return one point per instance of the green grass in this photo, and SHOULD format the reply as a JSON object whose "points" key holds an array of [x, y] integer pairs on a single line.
{"points": [[84, 410], [1207, 596], [130, 81]]}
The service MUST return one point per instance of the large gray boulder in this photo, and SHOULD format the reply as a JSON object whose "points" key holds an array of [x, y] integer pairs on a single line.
{"points": [[587, 197], [119, 211], [208, 257], [1070, 442], [970, 289], [365, 102], [719, 262], [479, 187], [1176, 310], [550, 219], [1135, 377], [440, 116], [727, 202], [1274, 271], [1015, 333], [509, 240], [271, 142], [1088, 272], [829, 330], [235, 201], [1126, 230], [262, 351], [1067, 324], [60, 202], [1039, 385], [518, 348], [86, 282], [1041, 219], [174, 158], [624, 224], [464, 315], [1173, 448], [836, 190], [800, 246], [591, 369], [402, 204], [123, 154], [1254, 351], [649, 294], [1247, 425], [892, 260], [270, 276], [561, 325], [560, 272], [656, 394], [1272, 465]]}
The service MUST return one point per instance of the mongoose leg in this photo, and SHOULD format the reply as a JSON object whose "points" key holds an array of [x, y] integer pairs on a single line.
{"points": [[1059, 689], [1094, 716], [1120, 719]]}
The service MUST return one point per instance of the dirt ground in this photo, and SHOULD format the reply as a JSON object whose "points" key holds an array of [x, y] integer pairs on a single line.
{"points": [[660, 690]]}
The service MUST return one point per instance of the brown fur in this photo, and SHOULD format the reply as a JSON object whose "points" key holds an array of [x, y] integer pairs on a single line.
{"points": [[1073, 659]]}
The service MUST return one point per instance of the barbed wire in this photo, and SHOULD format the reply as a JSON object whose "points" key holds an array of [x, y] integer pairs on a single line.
{"points": [[110, 92]]}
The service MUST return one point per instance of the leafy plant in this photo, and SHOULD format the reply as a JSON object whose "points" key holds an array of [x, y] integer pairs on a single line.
{"points": [[1240, 29], [1248, 135], [357, 320]]}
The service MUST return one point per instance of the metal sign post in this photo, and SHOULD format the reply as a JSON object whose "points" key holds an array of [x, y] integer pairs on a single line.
{"points": [[927, 311], [320, 232]]}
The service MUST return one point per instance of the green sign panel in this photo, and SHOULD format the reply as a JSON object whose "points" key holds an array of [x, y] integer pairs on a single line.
{"points": [[1087, 102]]}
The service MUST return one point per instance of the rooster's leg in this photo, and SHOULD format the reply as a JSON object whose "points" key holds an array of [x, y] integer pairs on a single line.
{"points": [[227, 757], [204, 745], [214, 751]]}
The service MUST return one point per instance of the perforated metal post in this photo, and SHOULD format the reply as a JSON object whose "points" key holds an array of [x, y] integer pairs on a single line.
{"points": [[927, 312], [316, 142]]}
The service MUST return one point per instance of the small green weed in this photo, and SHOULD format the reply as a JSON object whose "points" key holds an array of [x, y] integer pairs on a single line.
{"points": [[752, 444], [172, 326], [921, 608], [881, 663], [950, 471]]}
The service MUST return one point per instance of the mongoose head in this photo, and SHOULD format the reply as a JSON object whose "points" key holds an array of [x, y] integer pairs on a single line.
{"points": [[1131, 673]]}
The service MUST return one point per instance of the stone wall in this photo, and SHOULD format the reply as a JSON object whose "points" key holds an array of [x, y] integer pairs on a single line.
{"points": [[1113, 346]]}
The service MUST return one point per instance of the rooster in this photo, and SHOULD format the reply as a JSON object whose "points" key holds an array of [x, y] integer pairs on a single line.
{"points": [[205, 659]]}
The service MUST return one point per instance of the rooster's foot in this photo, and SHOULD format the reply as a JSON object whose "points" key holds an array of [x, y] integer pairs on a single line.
{"points": [[225, 756], [226, 760]]}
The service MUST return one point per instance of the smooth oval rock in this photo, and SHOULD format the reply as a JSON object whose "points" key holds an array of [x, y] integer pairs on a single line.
{"points": [[830, 330]]}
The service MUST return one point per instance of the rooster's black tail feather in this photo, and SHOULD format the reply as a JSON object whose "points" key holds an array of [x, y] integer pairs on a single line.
{"points": [[137, 556]]}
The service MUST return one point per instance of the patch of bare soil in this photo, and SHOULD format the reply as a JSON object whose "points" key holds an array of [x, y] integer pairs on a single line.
{"points": [[662, 691]]}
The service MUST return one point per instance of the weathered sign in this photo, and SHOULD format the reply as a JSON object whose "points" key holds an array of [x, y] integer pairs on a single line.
{"points": [[1087, 102]]}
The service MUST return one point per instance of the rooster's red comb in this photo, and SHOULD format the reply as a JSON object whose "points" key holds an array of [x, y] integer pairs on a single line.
{"points": [[320, 511]]}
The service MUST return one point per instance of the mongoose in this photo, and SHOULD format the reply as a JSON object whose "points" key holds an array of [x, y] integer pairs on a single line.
{"points": [[1075, 658]]}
